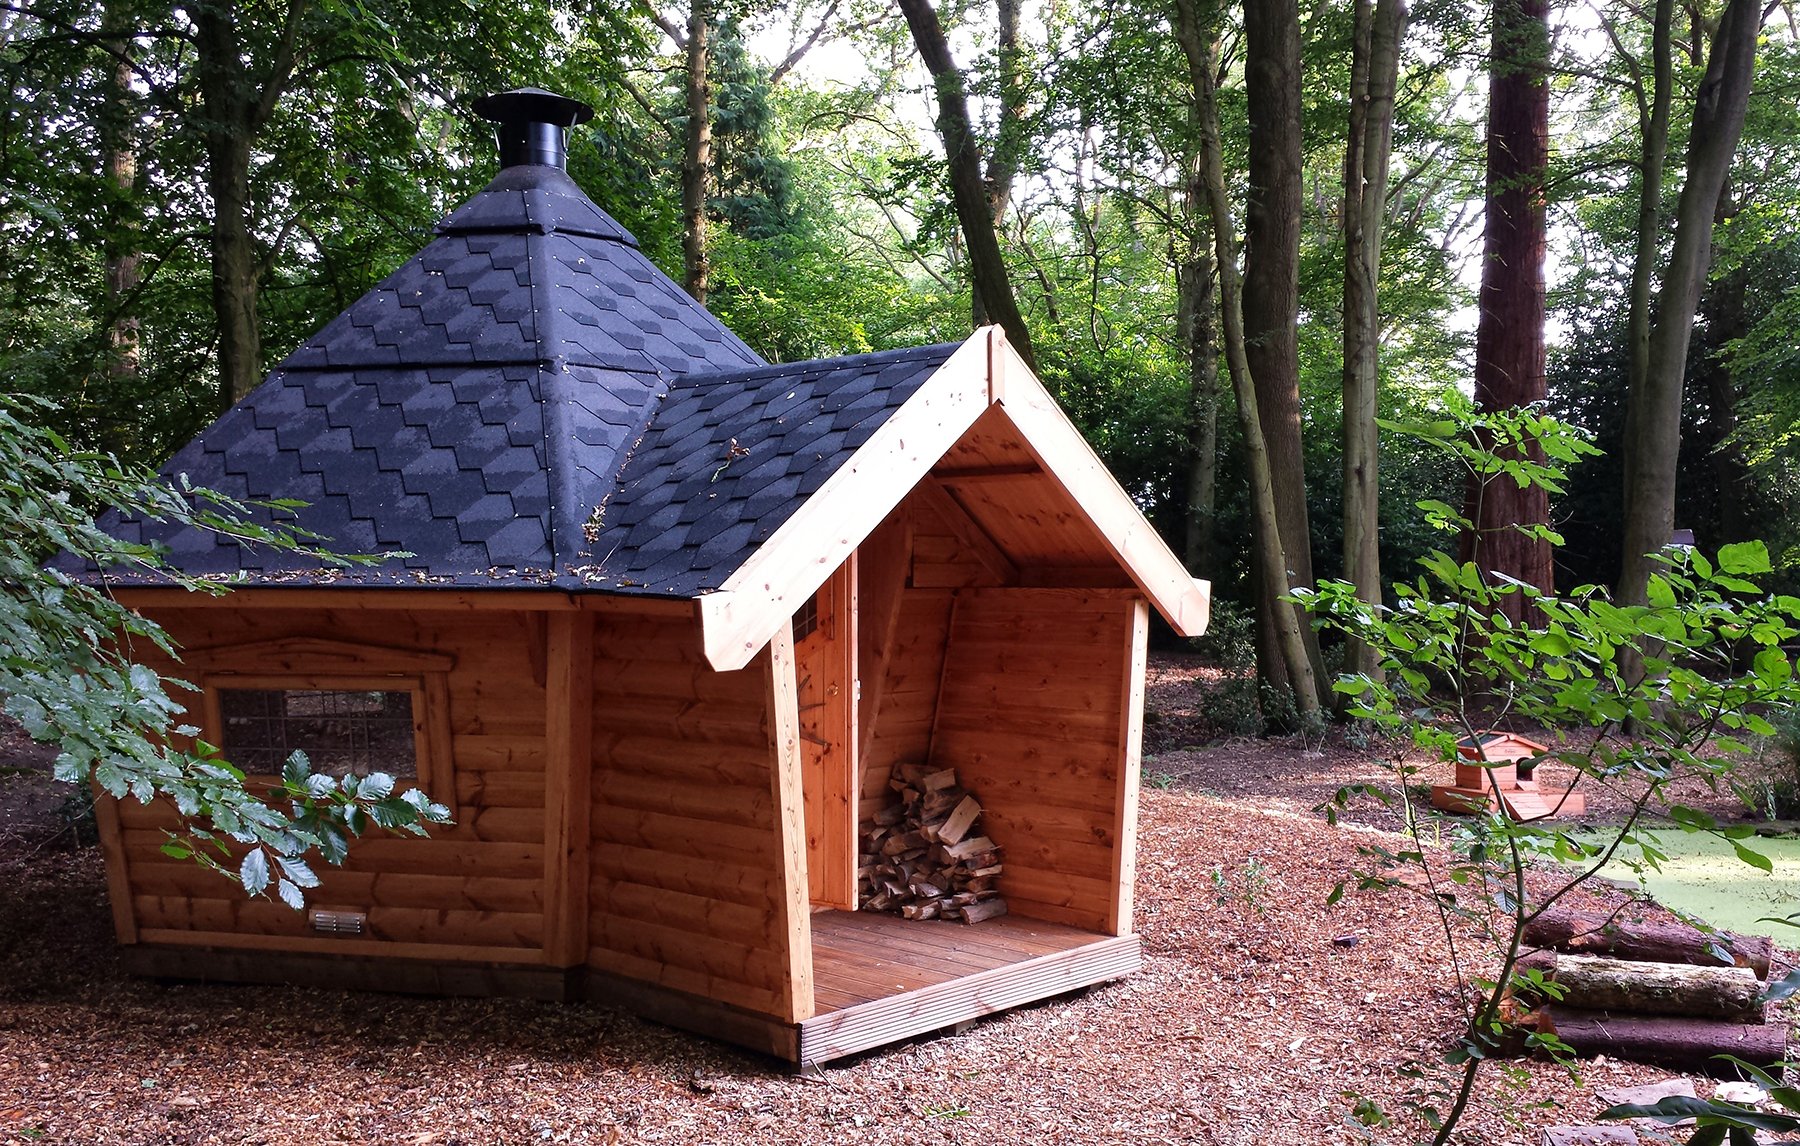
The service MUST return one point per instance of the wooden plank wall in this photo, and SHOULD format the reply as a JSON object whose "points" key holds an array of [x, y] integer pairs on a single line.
{"points": [[939, 550], [473, 890], [689, 883], [901, 729], [1034, 686]]}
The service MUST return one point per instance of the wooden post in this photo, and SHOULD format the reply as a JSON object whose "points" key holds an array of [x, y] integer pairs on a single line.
{"points": [[791, 927], [1131, 734], [826, 664], [118, 876], [569, 768]]}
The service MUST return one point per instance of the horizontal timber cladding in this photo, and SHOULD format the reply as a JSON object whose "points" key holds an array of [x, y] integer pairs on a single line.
{"points": [[689, 881], [908, 695], [474, 889], [1033, 718]]}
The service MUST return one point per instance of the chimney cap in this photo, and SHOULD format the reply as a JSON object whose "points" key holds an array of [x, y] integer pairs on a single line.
{"points": [[533, 105]]}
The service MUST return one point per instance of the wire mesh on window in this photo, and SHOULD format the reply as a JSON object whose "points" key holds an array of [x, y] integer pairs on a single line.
{"points": [[806, 621], [343, 733]]}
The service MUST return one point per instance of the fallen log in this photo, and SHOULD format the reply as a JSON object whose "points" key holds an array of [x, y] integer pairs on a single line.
{"points": [[1665, 1040], [1591, 934], [1594, 983]]}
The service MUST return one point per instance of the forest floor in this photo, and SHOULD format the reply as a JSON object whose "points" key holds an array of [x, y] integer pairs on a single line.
{"points": [[1262, 1015]]}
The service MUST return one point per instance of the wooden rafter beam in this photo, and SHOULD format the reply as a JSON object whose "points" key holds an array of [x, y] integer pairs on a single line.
{"points": [[968, 532], [970, 474]]}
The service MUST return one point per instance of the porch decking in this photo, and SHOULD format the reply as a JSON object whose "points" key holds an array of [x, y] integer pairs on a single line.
{"points": [[878, 979]]}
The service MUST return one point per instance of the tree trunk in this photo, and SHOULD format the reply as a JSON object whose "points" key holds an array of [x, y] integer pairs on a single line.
{"points": [[124, 253], [1509, 333], [1588, 933], [968, 191], [1271, 312], [1374, 73], [229, 101], [236, 105], [1009, 142], [1194, 318], [1653, 126], [1653, 420], [1664, 1040], [696, 162], [1270, 560], [1596, 983]]}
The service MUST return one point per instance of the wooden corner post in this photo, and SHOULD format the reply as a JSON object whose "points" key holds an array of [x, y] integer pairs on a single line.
{"points": [[569, 763], [792, 925], [1131, 762]]}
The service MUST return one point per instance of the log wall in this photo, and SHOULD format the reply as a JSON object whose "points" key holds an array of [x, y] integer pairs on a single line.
{"points": [[1035, 715], [693, 874], [475, 889]]}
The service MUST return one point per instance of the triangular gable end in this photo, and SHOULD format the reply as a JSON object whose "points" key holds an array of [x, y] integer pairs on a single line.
{"points": [[984, 373]]}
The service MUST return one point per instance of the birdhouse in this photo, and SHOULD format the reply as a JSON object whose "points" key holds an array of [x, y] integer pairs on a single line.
{"points": [[1498, 769]]}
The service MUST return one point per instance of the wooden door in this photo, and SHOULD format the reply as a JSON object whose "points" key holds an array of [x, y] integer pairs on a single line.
{"points": [[825, 662]]}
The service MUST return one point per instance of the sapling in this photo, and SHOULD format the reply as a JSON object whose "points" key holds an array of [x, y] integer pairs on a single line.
{"points": [[1453, 663], [69, 675]]}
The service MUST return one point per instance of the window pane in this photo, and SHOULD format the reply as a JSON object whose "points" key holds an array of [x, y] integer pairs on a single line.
{"points": [[343, 733]]}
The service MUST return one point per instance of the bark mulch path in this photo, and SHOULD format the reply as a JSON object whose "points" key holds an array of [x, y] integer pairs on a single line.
{"points": [[1248, 1024]]}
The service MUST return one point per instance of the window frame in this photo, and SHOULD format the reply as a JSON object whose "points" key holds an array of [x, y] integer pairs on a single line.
{"points": [[319, 665]]}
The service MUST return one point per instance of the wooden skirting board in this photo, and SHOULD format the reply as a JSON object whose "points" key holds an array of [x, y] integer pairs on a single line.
{"points": [[881, 980]]}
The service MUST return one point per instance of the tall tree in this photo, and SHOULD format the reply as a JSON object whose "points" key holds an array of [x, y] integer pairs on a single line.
{"points": [[1374, 74], [1195, 307], [696, 159], [1194, 31], [968, 189], [1653, 151], [240, 76], [1271, 307], [1653, 419], [1509, 332]]}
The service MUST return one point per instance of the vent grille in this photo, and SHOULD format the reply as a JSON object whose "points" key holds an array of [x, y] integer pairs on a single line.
{"points": [[338, 922]]}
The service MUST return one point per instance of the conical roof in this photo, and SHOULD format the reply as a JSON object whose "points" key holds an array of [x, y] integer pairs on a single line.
{"points": [[473, 409]]}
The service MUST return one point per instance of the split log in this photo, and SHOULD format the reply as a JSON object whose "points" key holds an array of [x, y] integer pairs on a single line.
{"points": [[1590, 934], [1664, 1040], [918, 857], [1593, 983]]}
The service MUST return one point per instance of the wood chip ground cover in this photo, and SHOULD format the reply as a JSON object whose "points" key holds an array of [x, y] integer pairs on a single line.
{"points": [[1247, 1024]]}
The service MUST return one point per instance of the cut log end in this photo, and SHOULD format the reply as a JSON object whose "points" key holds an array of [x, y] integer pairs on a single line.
{"points": [[918, 858]]}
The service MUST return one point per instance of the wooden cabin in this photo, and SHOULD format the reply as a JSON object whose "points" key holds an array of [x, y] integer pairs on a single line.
{"points": [[666, 619]]}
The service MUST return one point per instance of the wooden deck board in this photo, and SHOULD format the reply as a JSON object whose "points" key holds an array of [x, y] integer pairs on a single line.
{"points": [[879, 979]]}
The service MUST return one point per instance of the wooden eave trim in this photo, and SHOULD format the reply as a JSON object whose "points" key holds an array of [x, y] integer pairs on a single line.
{"points": [[423, 600], [738, 619], [1183, 600], [317, 656]]}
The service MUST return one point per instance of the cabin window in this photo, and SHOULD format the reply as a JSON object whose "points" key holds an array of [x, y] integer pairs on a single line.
{"points": [[344, 732], [806, 621], [354, 709]]}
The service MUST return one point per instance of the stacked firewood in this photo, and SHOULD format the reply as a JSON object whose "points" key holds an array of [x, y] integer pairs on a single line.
{"points": [[1665, 994], [925, 857]]}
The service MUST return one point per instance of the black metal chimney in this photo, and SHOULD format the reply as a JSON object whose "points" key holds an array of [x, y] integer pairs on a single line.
{"points": [[532, 125]]}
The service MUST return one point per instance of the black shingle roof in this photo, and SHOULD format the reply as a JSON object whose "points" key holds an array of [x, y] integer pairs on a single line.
{"points": [[530, 366], [729, 457]]}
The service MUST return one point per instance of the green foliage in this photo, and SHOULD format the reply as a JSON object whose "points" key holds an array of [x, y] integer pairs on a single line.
{"points": [[1718, 1122], [68, 673], [1453, 663]]}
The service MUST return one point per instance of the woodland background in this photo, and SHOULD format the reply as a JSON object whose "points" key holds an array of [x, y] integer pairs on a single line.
{"points": [[187, 190]]}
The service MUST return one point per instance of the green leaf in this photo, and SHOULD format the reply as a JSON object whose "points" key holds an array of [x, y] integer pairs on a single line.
{"points": [[1754, 858], [253, 873], [1745, 558]]}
